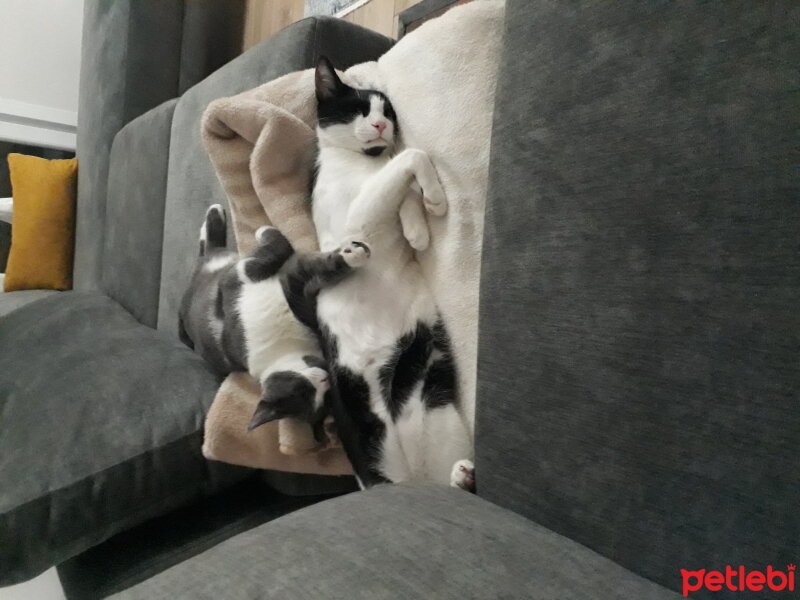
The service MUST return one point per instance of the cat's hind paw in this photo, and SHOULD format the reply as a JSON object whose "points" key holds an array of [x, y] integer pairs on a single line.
{"points": [[355, 254], [463, 475]]}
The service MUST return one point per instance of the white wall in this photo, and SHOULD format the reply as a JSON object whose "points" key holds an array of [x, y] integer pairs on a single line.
{"points": [[40, 54]]}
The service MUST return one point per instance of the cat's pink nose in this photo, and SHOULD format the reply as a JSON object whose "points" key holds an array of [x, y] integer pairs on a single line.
{"points": [[380, 126]]}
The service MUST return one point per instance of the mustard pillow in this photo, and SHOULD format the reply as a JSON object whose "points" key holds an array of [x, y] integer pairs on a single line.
{"points": [[43, 233]]}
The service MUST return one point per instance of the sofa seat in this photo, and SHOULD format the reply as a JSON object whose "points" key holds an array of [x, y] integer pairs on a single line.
{"points": [[101, 429], [403, 541], [11, 301]]}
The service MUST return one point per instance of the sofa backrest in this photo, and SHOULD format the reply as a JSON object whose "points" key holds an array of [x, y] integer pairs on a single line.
{"points": [[192, 183], [136, 55], [640, 332], [134, 220]]}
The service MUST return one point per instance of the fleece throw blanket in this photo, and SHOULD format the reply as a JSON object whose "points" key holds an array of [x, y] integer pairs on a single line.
{"points": [[441, 80]]}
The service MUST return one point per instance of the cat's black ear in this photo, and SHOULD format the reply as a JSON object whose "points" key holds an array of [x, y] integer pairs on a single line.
{"points": [[326, 81], [265, 412]]}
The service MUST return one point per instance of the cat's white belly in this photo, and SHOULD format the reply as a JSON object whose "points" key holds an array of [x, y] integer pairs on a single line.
{"points": [[275, 339]]}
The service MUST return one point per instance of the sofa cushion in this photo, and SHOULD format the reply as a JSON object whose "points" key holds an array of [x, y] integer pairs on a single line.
{"points": [[101, 429], [11, 301], [193, 184], [137, 189], [405, 541], [639, 373]]}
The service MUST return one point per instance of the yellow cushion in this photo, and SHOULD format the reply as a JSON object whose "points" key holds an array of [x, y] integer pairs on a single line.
{"points": [[43, 233]]}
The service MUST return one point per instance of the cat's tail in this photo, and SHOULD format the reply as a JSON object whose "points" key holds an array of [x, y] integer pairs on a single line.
{"points": [[214, 232]]}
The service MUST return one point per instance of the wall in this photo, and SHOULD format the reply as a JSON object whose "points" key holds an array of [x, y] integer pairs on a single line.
{"points": [[40, 48]]}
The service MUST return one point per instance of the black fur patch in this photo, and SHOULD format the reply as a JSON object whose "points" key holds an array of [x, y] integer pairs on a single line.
{"points": [[406, 368], [441, 388], [338, 103], [315, 361], [285, 394], [359, 429], [233, 340], [267, 259], [374, 151]]}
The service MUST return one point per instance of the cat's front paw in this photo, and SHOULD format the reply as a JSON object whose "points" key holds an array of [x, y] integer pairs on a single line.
{"points": [[355, 254], [263, 234], [434, 200], [463, 475]]}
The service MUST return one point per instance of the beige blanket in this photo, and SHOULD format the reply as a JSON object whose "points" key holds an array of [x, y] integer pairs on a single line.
{"points": [[261, 143]]}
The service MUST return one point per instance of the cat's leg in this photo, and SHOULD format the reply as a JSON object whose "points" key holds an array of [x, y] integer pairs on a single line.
{"points": [[307, 274], [414, 223], [380, 198], [328, 268], [266, 260], [213, 232]]}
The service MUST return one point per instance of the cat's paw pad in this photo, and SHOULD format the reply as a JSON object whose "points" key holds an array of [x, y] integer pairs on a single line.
{"points": [[463, 475], [434, 200], [418, 237], [262, 234], [356, 254]]}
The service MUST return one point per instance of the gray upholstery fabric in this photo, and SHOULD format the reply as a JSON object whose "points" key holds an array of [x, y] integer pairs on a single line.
{"points": [[639, 373], [213, 31], [133, 60], [137, 188], [152, 547], [399, 542], [193, 185], [11, 301], [101, 429]]}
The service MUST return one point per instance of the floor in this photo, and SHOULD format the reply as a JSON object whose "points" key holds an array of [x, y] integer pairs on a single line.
{"points": [[267, 17]]}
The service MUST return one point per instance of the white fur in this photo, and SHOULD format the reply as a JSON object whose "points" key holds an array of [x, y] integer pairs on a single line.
{"points": [[275, 339], [364, 198], [444, 105]]}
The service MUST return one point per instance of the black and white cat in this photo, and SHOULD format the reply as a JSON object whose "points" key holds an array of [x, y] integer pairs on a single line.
{"points": [[394, 393], [236, 316]]}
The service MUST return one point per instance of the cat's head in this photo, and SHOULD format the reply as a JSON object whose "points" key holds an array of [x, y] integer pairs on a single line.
{"points": [[297, 394], [349, 118]]}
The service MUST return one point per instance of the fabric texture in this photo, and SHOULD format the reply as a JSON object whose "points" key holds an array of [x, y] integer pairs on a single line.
{"points": [[11, 301], [639, 333], [135, 56], [100, 432], [43, 237], [137, 188], [193, 185], [399, 542]]}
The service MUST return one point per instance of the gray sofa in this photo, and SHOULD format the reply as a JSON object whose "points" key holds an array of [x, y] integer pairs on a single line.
{"points": [[639, 333], [102, 406]]}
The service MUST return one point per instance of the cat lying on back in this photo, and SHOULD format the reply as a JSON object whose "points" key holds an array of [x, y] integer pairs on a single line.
{"points": [[394, 394], [236, 316]]}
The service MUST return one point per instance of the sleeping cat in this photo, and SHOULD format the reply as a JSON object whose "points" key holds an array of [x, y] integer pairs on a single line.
{"points": [[394, 394], [235, 315]]}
